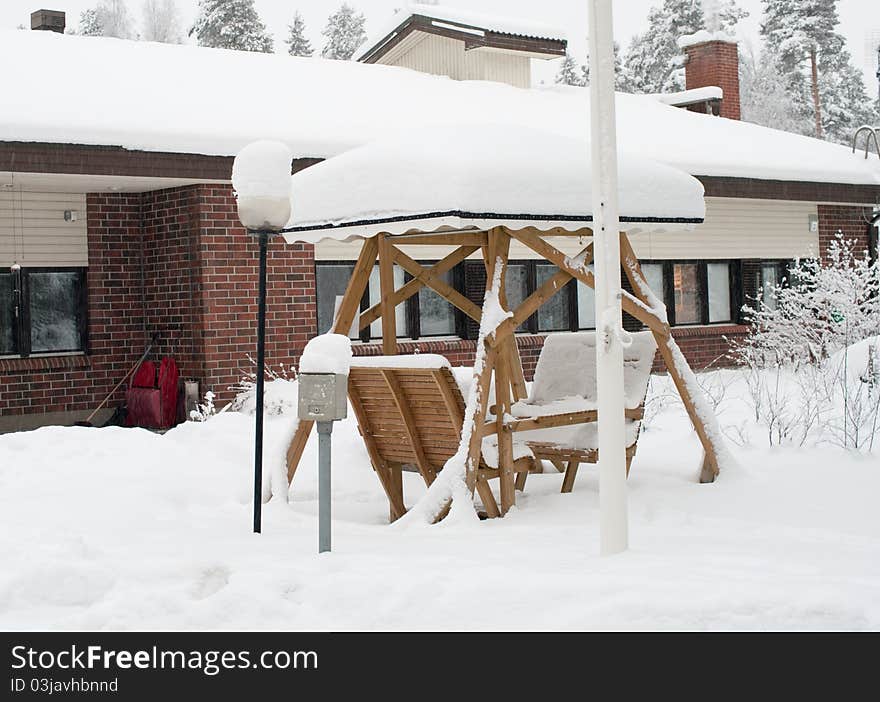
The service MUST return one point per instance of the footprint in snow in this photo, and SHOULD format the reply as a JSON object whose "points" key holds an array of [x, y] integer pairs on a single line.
{"points": [[210, 582]]}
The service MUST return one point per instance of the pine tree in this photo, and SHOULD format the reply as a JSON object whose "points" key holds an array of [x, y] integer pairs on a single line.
{"points": [[653, 61], [231, 24], [344, 33], [297, 43], [764, 94], [569, 73], [818, 68], [109, 18], [620, 78], [90, 23], [162, 22]]}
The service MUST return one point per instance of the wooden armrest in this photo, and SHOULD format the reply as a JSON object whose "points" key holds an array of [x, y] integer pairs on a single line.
{"points": [[550, 421]]}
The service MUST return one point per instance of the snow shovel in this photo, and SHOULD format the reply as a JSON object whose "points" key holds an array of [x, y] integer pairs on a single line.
{"points": [[88, 420]]}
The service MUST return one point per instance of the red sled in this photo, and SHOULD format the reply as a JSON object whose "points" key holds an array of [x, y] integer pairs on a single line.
{"points": [[151, 399]]}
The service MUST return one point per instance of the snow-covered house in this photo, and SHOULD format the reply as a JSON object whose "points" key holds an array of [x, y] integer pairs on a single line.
{"points": [[117, 216], [462, 44]]}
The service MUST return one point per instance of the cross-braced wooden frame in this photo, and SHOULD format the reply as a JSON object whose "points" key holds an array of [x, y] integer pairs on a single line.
{"points": [[502, 360]]}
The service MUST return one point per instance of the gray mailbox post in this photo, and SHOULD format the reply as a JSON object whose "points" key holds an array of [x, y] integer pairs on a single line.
{"points": [[323, 398]]}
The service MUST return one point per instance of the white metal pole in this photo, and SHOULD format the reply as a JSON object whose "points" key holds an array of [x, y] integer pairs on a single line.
{"points": [[613, 520]]}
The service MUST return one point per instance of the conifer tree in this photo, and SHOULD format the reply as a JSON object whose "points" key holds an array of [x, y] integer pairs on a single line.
{"points": [[569, 72], [817, 66], [297, 43], [344, 33], [231, 24]]}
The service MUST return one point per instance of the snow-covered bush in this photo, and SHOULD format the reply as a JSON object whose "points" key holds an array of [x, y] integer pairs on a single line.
{"points": [[822, 307], [801, 384], [280, 390], [204, 411]]}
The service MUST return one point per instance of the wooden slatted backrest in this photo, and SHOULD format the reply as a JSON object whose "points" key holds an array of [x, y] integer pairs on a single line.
{"points": [[407, 415]]}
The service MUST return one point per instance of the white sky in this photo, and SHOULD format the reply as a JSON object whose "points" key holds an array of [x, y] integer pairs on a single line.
{"points": [[860, 19]]}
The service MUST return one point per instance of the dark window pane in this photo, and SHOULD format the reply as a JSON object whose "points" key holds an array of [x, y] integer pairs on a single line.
{"points": [[436, 316], [553, 315], [718, 275], [331, 283], [54, 310], [516, 283], [686, 284], [7, 314]]}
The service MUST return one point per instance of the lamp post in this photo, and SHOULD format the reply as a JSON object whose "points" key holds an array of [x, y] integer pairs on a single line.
{"points": [[261, 178]]}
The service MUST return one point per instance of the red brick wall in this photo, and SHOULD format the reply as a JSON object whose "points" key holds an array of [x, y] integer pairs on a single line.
{"points": [[200, 278], [115, 329], [715, 63], [852, 221], [228, 261]]}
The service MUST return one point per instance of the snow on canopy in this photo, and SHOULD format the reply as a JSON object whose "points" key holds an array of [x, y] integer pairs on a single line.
{"points": [[477, 20], [197, 100], [478, 176]]}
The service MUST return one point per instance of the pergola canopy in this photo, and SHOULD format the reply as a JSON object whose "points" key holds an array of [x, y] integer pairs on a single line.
{"points": [[478, 177]]}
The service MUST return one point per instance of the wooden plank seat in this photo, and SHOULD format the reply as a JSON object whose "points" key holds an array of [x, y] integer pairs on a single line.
{"points": [[409, 411], [558, 421]]}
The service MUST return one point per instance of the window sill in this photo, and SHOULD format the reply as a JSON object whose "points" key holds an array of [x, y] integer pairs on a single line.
{"points": [[46, 362]]}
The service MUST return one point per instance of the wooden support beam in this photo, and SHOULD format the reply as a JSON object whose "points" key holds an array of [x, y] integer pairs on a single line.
{"points": [[509, 349], [386, 285], [475, 445], [441, 287], [351, 302], [409, 426], [550, 421], [476, 239], [530, 238], [666, 345], [531, 304], [413, 286]]}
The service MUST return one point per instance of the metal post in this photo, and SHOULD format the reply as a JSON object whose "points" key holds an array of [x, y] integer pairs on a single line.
{"points": [[613, 521], [261, 363], [324, 449]]}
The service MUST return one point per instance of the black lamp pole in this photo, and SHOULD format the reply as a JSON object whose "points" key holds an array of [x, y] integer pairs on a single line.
{"points": [[261, 363]]}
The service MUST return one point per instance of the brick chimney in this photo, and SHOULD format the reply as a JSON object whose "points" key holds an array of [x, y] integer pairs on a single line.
{"points": [[48, 21], [714, 62]]}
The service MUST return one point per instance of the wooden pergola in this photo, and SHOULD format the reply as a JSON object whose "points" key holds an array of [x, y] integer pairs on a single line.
{"points": [[502, 359]]}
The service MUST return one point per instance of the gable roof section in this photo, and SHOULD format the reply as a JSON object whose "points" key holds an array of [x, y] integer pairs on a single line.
{"points": [[474, 29], [164, 98]]}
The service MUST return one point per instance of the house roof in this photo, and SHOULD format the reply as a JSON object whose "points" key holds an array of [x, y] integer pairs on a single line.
{"points": [[480, 176], [192, 100], [474, 28]]}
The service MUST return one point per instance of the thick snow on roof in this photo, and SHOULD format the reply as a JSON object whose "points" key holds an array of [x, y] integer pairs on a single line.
{"points": [[690, 97], [495, 23], [160, 97], [480, 176]]}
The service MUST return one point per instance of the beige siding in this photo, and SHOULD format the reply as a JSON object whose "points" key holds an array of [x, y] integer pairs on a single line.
{"points": [[33, 231], [739, 228], [734, 228], [443, 56]]}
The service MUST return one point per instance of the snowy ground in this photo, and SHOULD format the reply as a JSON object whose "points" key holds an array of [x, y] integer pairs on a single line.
{"points": [[124, 529]]}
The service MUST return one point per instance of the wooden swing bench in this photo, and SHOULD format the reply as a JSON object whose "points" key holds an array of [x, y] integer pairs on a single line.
{"points": [[409, 411]]}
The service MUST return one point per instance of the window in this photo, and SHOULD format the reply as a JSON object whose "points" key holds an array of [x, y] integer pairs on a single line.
{"points": [[555, 314], [331, 281], [769, 281], [516, 287], [43, 311], [653, 273], [694, 292], [436, 317], [686, 293], [718, 285]]}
